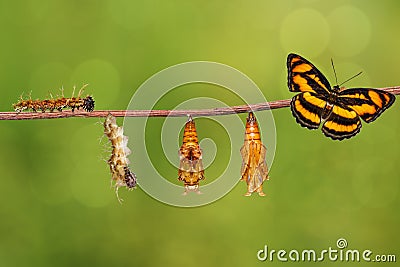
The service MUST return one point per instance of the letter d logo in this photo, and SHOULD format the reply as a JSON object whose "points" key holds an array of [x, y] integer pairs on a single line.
{"points": [[260, 253]]}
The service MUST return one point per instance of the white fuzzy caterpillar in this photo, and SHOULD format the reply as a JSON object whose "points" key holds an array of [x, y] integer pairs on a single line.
{"points": [[120, 172]]}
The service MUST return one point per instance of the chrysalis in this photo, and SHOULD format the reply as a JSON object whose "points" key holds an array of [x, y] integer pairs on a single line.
{"points": [[191, 170], [120, 172], [254, 168]]}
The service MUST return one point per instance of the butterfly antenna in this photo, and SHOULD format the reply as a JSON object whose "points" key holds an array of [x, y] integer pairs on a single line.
{"points": [[352, 77], [334, 71]]}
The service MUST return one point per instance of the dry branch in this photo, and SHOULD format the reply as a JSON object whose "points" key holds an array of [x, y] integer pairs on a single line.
{"points": [[159, 113]]}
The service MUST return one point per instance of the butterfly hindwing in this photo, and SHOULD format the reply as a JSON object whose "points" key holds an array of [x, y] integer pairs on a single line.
{"points": [[307, 109], [342, 123], [369, 103], [303, 76]]}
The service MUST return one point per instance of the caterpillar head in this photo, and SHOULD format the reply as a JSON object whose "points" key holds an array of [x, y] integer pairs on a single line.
{"points": [[130, 178], [88, 104]]}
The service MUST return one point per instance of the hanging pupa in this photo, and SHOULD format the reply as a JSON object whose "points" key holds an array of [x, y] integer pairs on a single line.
{"points": [[254, 168], [191, 170], [118, 162]]}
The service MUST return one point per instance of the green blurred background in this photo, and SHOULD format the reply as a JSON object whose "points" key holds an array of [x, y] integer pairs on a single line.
{"points": [[57, 208]]}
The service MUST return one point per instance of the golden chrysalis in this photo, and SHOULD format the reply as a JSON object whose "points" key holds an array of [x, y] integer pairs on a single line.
{"points": [[191, 170], [120, 172], [254, 168]]}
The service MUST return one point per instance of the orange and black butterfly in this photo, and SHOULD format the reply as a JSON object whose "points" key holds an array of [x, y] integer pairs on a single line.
{"points": [[191, 170], [338, 109]]}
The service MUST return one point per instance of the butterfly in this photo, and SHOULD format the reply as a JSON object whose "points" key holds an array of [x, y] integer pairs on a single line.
{"points": [[337, 109]]}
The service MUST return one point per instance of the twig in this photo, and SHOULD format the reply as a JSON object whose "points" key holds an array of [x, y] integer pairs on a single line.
{"points": [[159, 113]]}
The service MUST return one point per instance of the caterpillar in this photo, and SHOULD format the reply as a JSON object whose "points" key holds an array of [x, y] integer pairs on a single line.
{"points": [[59, 104], [191, 170], [118, 162], [254, 169]]}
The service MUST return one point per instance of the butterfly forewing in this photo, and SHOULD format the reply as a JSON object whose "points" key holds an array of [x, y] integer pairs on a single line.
{"points": [[303, 76], [369, 103]]}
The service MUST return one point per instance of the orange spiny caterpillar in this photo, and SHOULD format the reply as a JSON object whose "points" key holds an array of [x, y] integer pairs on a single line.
{"points": [[120, 172], [59, 104], [191, 169], [254, 168]]}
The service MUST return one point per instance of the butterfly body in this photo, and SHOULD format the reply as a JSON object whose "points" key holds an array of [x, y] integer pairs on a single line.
{"points": [[338, 109]]}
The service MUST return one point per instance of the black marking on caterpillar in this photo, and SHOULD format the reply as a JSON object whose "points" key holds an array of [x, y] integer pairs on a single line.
{"points": [[59, 104], [119, 162]]}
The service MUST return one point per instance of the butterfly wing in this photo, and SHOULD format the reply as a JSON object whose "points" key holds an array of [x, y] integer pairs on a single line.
{"points": [[303, 76], [254, 168], [343, 122], [307, 108], [367, 102], [342, 113]]}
